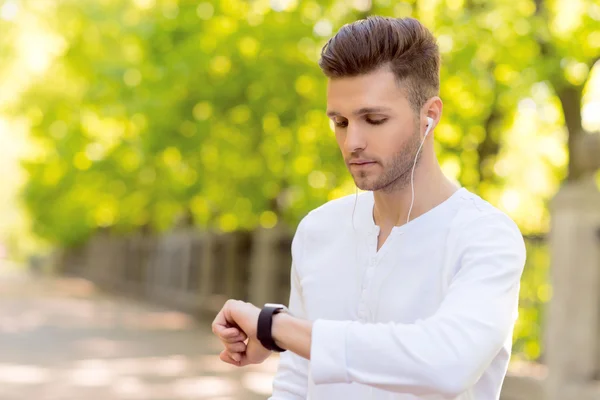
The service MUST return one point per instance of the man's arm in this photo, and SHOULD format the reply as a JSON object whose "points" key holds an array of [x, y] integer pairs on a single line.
{"points": [[237, 321], [444, 354], [291, 380]]}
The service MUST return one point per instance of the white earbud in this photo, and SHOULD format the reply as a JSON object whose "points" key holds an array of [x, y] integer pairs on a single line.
{"points": [[429, 125]]}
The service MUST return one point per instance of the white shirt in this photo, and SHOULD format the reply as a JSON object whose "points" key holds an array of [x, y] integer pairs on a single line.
{"points": [[428, 316]]}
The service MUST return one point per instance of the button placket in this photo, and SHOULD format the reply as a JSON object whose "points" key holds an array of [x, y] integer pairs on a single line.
{"points": [[375, 257], [372, 261], [375, 310]]}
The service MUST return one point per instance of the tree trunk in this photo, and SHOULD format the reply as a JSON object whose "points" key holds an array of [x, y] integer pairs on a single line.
{"points": [[488, 149], [570, 100]]}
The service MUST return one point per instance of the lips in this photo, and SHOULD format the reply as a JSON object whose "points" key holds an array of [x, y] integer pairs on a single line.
{"points": [[361, 162]]}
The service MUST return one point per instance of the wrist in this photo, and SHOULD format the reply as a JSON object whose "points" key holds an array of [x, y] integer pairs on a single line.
{"points": [[280, 321], [293, 334]]}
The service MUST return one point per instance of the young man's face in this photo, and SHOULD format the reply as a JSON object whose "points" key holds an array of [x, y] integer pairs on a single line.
{"points": [[376, 129]]}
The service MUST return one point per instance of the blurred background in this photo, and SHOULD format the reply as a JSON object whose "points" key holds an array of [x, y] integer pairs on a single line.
{"points": [[157, 155]]}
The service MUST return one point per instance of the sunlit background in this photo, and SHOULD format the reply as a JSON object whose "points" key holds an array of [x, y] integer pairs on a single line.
{"points": [[145, 117]]}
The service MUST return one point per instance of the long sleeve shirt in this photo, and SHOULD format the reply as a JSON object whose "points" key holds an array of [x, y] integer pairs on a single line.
{"points": [[428, 316]]}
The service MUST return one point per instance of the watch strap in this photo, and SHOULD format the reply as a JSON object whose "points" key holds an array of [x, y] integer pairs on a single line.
{"points": [[265, 327]]}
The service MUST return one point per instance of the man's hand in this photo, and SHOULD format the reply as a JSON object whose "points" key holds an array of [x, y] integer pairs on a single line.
{"points": [[235, 325]]}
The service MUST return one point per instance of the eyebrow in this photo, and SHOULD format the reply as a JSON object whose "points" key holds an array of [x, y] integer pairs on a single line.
{"points": [[361, 111]]}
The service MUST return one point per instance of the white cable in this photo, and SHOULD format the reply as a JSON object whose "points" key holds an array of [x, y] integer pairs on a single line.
{"points": [[412, 175], [373, 315]]}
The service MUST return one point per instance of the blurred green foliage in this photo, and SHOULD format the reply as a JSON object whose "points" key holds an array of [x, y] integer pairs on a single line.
{"points": [[157, 111]]}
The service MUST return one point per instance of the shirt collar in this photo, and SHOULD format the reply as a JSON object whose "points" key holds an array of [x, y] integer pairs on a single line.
{"points": [[364, 222]]}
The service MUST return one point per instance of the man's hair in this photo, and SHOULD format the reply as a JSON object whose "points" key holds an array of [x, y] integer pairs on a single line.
{"points": [[403, 44]]}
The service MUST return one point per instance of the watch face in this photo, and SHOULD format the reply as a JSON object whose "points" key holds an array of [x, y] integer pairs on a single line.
{"points": [[276, 305]]}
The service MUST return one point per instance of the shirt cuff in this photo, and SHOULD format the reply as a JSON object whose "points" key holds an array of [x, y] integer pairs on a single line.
{"points": [[328, 352]]}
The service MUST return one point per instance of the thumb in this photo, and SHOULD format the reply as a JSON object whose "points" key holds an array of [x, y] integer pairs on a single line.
{"points": [[255, 353]]}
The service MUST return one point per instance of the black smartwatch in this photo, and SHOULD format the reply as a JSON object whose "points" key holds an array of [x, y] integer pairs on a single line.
{"points": [[265, 324]]}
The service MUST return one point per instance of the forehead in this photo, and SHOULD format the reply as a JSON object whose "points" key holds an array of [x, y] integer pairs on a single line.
{"points": [[375, 89]]}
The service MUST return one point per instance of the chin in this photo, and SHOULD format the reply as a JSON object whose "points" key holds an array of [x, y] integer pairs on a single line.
{"points": [[373, 184], [364, 183]]}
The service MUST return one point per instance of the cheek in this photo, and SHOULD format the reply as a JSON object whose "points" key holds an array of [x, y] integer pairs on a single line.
{"points": [[340, 138], [389, 140]]}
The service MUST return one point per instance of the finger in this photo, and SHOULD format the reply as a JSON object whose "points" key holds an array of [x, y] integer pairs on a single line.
{"points": [[219, 323], [226, 357], [229, 338], [223, 329], [238, 347], [224, 325], [230, 333], [240, 336]]}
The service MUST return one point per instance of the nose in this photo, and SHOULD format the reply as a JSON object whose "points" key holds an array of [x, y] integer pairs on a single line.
{"points": [[355, 139]]}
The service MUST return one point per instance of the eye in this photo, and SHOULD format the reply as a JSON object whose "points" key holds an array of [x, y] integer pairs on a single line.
{"points": [[341, 123], [376, 121]]}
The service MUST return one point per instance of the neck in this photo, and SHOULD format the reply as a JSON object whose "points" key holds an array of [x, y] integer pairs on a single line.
{"points": [[431, 188]]}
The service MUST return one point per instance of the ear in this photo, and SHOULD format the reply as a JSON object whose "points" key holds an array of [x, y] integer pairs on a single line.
{"points": [[432, 109]]}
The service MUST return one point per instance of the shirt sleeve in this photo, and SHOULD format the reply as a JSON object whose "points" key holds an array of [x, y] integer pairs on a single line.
{"points": [[291, 379], [447, 353]]}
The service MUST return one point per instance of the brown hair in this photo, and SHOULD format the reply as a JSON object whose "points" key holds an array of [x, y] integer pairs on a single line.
{"points": [[403, 44]]}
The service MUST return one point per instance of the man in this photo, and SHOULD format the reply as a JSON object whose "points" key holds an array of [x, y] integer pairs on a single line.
{"points": [[410, 289]]}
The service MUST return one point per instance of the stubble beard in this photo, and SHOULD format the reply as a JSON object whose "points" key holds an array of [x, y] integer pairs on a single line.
{"points": [[396, 172]]}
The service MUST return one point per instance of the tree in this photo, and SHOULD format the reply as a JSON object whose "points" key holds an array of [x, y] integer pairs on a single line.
{"points": [[213, 112]]}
